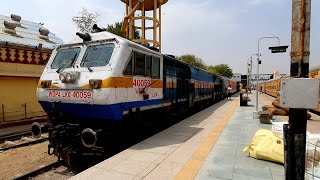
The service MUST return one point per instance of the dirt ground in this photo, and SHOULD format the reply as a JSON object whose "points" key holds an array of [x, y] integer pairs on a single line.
{"points": [[19, 161], [60, 173], [313, 125]]}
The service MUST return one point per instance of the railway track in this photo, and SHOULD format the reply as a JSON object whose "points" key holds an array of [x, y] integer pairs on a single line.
{"points": [[24, 144], [39, 171], [15, 136]]}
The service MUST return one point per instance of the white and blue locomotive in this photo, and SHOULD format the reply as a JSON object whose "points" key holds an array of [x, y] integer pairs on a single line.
{"points": [[89, 84]]}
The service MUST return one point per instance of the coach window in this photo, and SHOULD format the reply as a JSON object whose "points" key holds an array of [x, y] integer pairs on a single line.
{"points": [[148, 65], [128, 70], [139, 64], [156, 67]]}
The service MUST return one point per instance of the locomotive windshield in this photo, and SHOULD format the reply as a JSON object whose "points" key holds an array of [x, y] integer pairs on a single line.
{"points": [[65, 58], [97, 55]]}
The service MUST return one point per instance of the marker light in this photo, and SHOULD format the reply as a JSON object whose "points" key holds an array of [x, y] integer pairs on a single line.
{"points": [[45, 84], [95, 83], [69, 77]]}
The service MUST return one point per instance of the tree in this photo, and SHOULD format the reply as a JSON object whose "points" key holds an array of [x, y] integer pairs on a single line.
{"points": [[223, 70], [85, 20], [116, 29], [193, 60], [212, 70]]}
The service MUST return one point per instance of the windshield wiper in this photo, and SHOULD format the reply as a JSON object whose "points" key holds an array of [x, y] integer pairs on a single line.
{"points": [[84, 63], [65, 65], [61, 68], [89, 68]]}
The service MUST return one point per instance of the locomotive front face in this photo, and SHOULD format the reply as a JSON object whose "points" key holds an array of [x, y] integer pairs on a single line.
{"points": [[75, 77], [89, 84]]}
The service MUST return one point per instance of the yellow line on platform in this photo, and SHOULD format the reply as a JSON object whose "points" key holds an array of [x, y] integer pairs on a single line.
{"points": [[191, 168]]}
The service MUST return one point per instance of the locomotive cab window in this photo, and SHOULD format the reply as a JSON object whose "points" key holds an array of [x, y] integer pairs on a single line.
{"points": [[139, 64], [148, 65], [142, 65], [155, 67], [97, 55], [128, 70], [65, 58]]}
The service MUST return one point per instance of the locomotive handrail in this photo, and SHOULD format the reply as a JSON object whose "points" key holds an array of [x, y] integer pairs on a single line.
{"points": [[147, 87], [88, 42]]}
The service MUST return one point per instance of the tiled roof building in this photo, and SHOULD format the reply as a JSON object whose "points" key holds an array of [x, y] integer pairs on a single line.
{"points": [[24, 49]]}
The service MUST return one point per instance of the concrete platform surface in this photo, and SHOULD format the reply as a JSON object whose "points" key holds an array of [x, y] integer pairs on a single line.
{"points": [[226, 159], [207, 145]]}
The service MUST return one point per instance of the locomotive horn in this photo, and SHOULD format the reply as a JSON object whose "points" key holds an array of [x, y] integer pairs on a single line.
{"points": [[89, 138], [36, 130], [84, 37]]}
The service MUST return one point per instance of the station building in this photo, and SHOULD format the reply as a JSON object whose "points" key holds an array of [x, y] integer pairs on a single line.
{"points": [[24, 49]]}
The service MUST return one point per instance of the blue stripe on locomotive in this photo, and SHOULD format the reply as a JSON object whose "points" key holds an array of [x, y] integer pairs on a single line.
{"points": [[96, 111]]}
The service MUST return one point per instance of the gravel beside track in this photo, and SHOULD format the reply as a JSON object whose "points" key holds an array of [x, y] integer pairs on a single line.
{"points": [[16, 162], [24, 141]]}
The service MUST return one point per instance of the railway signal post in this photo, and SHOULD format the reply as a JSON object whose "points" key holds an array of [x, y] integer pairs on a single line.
{"points": [[295, 131]]}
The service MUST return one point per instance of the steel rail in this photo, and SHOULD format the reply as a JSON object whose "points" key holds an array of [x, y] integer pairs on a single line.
{"points": [[15, 136], [24, 144], [39, 171]]}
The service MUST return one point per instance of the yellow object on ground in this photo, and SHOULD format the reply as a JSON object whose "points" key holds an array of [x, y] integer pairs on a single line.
{"points": [[266, 145]]}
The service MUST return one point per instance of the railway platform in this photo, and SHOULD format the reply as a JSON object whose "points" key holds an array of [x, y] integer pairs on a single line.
{"points": [[207, 145]]}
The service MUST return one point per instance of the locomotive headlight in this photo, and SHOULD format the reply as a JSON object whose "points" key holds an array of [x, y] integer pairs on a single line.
{"points": [[95, 83], [69, 77], [45, 84], [62, 77]]}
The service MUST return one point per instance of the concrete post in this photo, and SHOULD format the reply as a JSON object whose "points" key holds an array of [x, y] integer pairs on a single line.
{"points": [[295, 132]]}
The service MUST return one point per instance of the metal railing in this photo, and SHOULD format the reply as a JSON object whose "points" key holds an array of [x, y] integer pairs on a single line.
{"points": [[312, 160], [8, 113]]}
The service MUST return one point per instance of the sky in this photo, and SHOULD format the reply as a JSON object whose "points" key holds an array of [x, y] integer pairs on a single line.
{"points": [[217, 31]]}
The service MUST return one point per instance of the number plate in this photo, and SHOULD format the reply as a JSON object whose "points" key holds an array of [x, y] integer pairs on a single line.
{"points": [[70, 94]]}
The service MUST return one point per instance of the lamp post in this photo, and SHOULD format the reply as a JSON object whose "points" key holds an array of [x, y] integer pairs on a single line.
{"points": [[249, 72], [248, 76], [256, 113]]}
